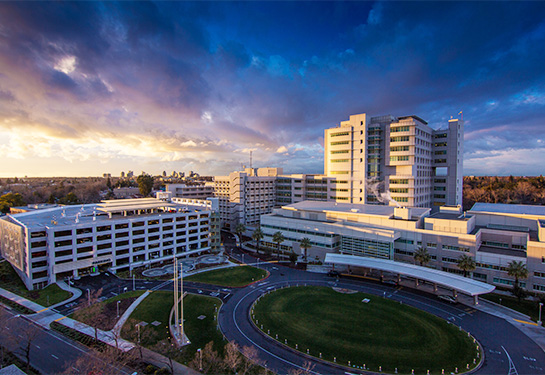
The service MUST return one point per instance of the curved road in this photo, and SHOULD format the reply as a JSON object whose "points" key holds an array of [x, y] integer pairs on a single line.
{"points": [[507, 350]]}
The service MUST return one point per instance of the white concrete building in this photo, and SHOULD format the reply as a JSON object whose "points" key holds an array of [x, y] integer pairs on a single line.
{"points": [[70, 241], [417, 165], [492, 234], [245, 196]]}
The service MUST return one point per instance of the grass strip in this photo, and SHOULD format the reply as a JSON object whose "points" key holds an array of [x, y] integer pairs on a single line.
{"points": [[15, 306], [78, 336]]}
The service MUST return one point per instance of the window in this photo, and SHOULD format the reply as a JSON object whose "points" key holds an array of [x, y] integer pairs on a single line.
{"points": [[340, 143], [399, 158], [539, 274], [340, 160], [339, 134], [399, 148], [104, 228], [63, 233], [138, 224], [84, 230], [121, 226], [336, 152], [63, 243], [404, 138], [104, 237], [400, 182], [398, 129]]}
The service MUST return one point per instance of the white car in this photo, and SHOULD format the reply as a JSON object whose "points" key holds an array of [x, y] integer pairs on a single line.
{"points": [[446, 297]]}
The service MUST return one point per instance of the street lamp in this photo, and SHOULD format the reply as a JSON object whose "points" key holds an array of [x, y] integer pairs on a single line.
{"points": [[89, 296], [540, 305], [200, 359], [118, 308]]}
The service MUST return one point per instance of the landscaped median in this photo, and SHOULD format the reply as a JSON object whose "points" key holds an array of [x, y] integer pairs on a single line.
{"points": [[236, 276], [200, 323], [364, 331]]}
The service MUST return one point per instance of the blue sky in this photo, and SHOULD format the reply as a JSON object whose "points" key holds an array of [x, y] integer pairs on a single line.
{"points": [[89, 87]]}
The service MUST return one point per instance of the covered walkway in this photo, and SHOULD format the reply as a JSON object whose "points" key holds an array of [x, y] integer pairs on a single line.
{"points": [[445, 279]]}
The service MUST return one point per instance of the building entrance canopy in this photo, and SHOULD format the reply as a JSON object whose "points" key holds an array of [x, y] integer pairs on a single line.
{"points": [[459, 283]]}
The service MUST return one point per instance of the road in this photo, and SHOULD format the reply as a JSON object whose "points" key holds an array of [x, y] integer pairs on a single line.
{"points": [[501, 341], [50, 353]]}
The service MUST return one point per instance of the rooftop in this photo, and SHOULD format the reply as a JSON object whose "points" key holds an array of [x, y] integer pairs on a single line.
{"points": [[502, 208], [70, 215], [351, 208], [451, 216]]}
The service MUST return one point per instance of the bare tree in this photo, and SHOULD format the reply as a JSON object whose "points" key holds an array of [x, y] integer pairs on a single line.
{"points": [[92, 313], [209, 360], [27, 333], [250, 359], [305, 370], [232, 357], [105, 361]]}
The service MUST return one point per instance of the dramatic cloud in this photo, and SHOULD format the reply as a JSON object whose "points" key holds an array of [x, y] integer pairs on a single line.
{"points": [[89, 87]]}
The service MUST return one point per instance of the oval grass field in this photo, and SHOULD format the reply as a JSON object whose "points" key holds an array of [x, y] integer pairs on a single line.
{"points": [[378, 333]]}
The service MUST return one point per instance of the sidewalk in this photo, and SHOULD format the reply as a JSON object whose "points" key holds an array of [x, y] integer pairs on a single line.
{"points": [[45, 316]]}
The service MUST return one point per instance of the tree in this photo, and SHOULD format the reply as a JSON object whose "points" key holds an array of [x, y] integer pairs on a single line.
{"points": [[305, 245], [209, 359], [239, 229], [250, 359], [11, 200], [145, 184], [138, 334], [232, 356], [278, 238], [466, 264], [109, 183], [293, 257], [422, 256], [518, 270], [27, 334], [92, 314], [257, 236], [107, 360]]}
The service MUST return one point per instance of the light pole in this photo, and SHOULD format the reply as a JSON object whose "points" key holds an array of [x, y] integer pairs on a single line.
{"points": [[133, 286], [138, 329], [118, 308], [200, 359], [540, 305], [89, 296]]}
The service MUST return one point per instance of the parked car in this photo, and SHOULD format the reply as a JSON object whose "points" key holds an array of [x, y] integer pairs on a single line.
{"points": [[448, 298], [333, 273], [390, 282]]}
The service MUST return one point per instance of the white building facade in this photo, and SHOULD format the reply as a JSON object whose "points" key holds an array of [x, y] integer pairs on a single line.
{"points": [[65, 242], [492, 234]]}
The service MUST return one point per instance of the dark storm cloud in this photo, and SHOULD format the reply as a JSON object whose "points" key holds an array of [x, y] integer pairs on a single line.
{"points": [[275, 74]]}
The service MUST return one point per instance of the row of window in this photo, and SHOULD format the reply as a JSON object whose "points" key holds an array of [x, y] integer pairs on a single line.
{"points": [[399, 158]]}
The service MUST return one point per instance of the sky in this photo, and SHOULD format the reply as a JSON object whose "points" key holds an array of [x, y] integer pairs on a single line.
{"points": [[88, 88]]}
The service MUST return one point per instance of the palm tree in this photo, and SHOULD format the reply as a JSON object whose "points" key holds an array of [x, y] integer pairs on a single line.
{"points": [[518, 270], [421, 255], [278, 237], [239, 229], [305, 245], [257, 236], [466, 264]]}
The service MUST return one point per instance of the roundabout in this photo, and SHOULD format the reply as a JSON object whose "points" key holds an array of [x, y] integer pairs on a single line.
{"points": [[363, 331]]}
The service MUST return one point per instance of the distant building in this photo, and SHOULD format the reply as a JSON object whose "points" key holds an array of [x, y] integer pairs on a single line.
{"points": [[126, 192], [246, 195], [71, 241]]}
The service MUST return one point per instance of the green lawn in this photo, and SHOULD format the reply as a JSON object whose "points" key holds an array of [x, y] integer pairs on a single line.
{"points": [[230, 277], [530, 308], [9, 280], [379, 333], [157, 306]]}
